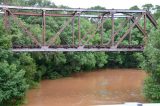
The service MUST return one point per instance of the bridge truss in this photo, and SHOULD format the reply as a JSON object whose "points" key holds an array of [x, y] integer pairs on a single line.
{"points": [[80, 42]]}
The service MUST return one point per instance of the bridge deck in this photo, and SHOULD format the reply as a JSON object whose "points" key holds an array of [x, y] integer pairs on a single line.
{"points": [[76, 48]]}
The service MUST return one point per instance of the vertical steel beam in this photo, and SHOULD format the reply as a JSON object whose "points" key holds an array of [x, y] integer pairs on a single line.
{"points": [[102, 31], [73, 31], [52, 39], [122, 25], [112, 37], [44, 28], [127, 32], [99, 26], [6, 20], [79, 29], [130, 37], [145, 35]]}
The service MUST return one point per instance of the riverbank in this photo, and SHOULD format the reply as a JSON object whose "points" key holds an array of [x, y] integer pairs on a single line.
{"points": [[109, 86]]}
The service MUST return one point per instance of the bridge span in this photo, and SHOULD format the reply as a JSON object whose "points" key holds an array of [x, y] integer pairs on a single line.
{"points": [[130, 19]]}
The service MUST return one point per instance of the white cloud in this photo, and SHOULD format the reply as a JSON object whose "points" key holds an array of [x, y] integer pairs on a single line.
{"points": [[116, 4]]}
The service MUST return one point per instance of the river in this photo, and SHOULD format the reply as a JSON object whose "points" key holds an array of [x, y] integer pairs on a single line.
{"points": [[109, 86]]}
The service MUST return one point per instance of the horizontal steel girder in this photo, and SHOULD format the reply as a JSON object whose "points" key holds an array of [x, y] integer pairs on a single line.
{"points": [[69, 15], [74, 9], [76, 49]]}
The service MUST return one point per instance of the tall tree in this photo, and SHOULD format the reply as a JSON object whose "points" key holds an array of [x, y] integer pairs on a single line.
{"points": [[148, 7]]}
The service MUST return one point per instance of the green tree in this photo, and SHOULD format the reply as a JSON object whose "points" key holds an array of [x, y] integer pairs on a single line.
{"points": [[134, 8], [152, 66], [12, 84], [148, 7], [157, 11]]}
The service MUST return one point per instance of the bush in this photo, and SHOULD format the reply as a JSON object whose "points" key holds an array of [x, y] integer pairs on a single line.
{"points": [[152, 90], [152, 66], [12, 84]]}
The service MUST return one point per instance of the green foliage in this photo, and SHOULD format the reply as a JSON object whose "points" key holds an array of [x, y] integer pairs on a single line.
{"points": [[134, 8], [27, 63], [101, 59], [148, 7], [12, 84], [157, 11], [152, 90], [152, 65]]}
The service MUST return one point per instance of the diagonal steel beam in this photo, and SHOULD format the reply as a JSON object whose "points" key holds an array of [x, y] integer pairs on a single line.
{"points": [[87, 33], [52, 40], [139, 27], [131, 27], [120, 28], [99, 26], [24, 28]]}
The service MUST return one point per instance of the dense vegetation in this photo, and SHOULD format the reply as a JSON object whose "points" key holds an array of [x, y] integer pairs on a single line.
{"points": [[21, 71], [152, 65]]}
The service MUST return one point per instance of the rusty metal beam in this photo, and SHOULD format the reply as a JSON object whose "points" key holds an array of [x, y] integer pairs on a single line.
{"points": [[122, 24], [73, 32], [52, 40], [152, 20], [44, 28], [99, 26], [21, 25], [90, 29], [130, 37], [131, 27], [6, 19], [139, 27], [145, 32], [66, 15], [79, 29], [102, 31], [112, 35]]}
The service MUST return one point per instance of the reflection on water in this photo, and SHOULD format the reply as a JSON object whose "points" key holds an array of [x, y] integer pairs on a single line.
{"points": [[101, 87]]}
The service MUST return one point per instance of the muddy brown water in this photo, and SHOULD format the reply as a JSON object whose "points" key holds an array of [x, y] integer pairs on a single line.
{"points": [[110, 86]]}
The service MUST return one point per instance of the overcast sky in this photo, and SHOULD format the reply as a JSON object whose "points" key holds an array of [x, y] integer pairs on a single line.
{"points": [[109, 4]]}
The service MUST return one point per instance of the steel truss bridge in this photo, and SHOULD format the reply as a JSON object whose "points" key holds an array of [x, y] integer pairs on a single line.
{"points": [[132, 19]]}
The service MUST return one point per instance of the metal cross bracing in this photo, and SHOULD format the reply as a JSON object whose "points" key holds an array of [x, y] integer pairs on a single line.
{"points": [[130, 20]]}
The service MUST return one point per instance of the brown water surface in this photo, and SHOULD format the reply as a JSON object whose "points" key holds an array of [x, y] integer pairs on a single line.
{"points": [[108, 86]]}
